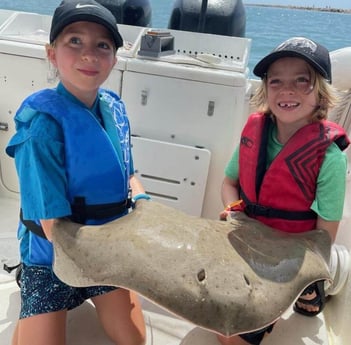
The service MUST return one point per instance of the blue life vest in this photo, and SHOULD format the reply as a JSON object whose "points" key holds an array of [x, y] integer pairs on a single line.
{"points": [[97, 162]]}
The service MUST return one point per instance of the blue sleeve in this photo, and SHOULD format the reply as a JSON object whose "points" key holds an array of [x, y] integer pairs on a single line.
{"points": [[39, 160]]}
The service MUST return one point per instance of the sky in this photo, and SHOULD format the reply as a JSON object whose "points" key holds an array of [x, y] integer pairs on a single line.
{"points": [[345, 4]]}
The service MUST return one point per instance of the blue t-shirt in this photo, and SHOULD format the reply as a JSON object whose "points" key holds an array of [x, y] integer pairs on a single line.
{"points": [[40, 164]]}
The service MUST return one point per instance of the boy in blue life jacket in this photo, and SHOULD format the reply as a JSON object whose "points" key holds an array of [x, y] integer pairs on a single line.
{"points": [[73, 158]]}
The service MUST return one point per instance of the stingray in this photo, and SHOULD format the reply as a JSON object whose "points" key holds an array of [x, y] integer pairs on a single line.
{"points": [[229, 277]]}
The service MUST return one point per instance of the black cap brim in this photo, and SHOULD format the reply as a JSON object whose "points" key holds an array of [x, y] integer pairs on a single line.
{"points": [[316, 55], [261, 68], [72, 11]]}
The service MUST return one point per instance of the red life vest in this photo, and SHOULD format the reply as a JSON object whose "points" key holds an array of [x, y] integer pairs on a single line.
{"points": [[281, 196]]}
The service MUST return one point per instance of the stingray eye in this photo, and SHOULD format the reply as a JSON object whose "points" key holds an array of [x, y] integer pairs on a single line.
{"points": [[201, 275]]}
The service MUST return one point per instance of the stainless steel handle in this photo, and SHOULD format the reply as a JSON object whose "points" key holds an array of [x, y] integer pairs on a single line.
{"points": [[4, 126]]}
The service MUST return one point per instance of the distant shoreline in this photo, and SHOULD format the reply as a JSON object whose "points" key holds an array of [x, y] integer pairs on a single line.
{"points": [[307, 8]]}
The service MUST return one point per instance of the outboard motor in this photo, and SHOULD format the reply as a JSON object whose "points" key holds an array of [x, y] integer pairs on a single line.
{"points": [[137, 12], [130, 12], [220, 17], [116, 8]]}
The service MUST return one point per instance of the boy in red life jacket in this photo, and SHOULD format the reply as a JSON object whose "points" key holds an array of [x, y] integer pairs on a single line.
{"points": [[289, 170]]}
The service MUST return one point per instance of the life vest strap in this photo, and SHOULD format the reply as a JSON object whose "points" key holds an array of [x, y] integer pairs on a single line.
{"points": [[32, 226], [81, 212], [257, 210], [268, 212]]}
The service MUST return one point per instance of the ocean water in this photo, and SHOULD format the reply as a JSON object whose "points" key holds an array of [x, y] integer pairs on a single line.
{"points": [[266, 26]]}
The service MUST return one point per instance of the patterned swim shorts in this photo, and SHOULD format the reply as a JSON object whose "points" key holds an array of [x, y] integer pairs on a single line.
{"points": [[42, 292]]}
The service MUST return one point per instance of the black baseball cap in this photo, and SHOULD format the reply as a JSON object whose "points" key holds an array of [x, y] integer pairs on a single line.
{"points": [[71, 11], [312, 52]]}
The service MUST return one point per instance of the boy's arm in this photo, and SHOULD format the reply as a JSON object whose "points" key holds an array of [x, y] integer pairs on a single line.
{"points": [[330, 226]]}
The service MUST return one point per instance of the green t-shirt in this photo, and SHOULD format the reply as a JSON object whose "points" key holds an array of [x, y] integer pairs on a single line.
{"points": [[330, 193]]}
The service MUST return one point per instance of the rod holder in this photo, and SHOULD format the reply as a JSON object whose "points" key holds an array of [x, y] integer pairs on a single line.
{"points": [[156, 43]]}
